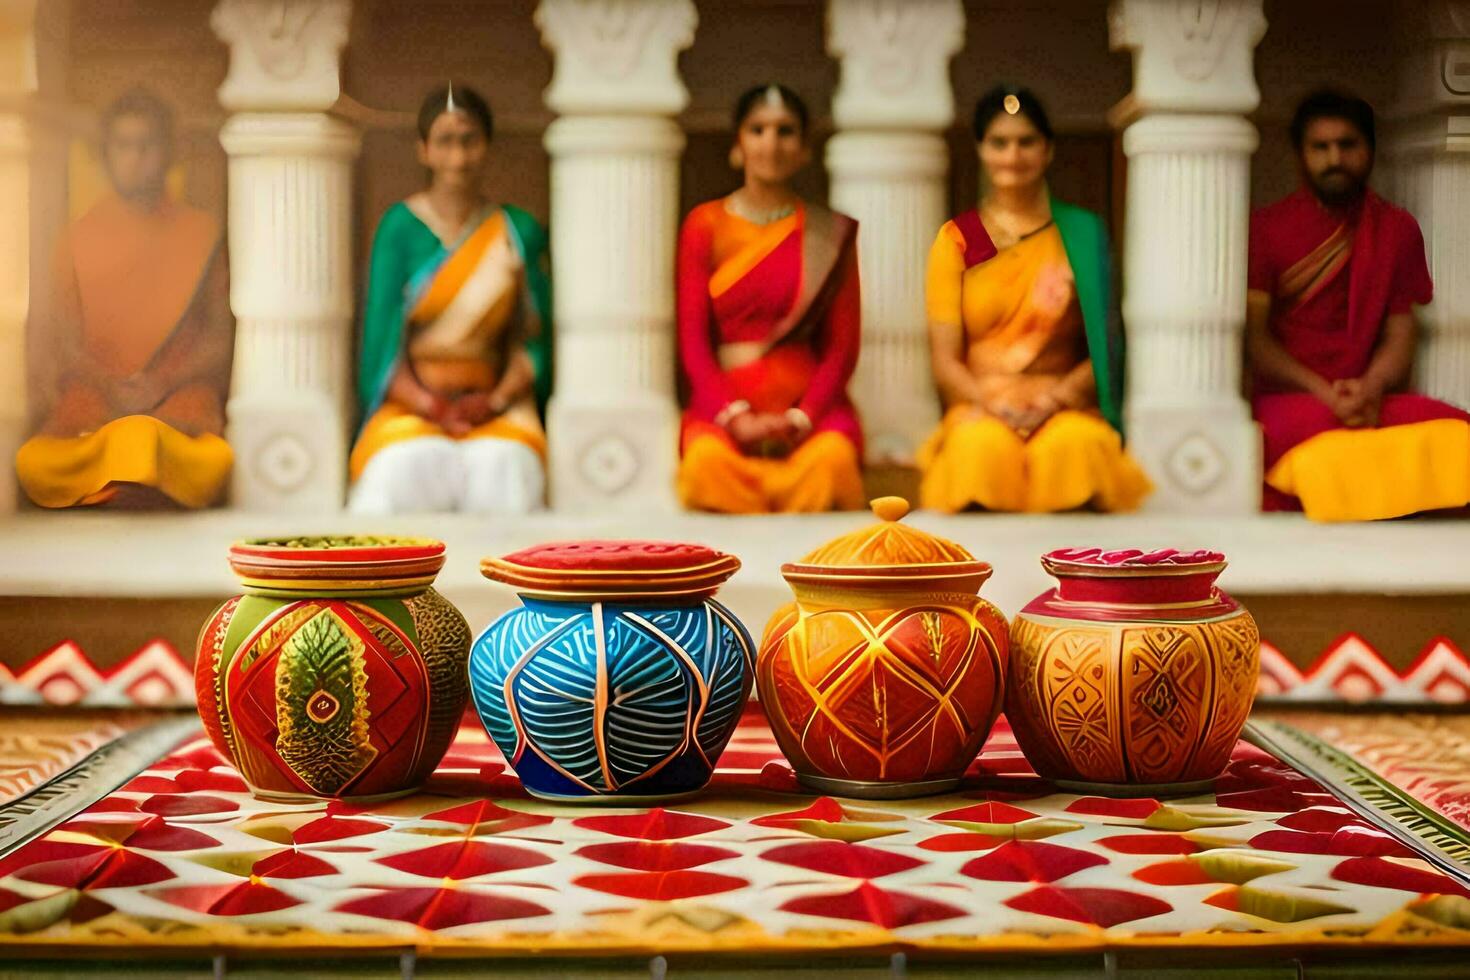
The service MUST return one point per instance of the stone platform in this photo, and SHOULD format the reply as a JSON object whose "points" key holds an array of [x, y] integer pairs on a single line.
{"points": [[112, 582]]}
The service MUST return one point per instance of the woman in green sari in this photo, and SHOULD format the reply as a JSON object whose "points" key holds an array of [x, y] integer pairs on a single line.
{"points": [[1025, 360], [456, 337]]}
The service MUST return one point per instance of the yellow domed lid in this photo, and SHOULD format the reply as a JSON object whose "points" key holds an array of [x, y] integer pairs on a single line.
{"points": [[889, 542], [889, 551]]}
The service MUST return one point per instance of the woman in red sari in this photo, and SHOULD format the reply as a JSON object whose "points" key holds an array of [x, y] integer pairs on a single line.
{"points": [[768, 308]]}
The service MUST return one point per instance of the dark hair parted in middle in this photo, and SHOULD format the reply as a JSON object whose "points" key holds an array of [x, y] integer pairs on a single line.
{"points": [[750, 98], [1333, 104], [1010, 100], [458, 98]]}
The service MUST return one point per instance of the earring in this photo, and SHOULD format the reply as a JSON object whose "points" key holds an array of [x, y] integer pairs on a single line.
{"points": [[737, 158]]}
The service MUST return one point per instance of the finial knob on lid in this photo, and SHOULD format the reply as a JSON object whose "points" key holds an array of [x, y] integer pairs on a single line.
{"points": [[889, 509]]}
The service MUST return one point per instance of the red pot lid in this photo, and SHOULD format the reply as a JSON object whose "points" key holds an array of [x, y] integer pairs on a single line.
{"points": [[613, 569], [1166, 584], [340, 563], [1164, 561]]}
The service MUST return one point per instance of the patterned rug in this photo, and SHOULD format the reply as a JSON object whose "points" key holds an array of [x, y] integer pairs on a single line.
{"points": [[1425, 755], [38, 746], [53, 763], [181, 857]]}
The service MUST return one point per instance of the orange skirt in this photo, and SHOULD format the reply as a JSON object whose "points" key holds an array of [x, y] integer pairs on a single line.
{"points": [[61, 471], [821, 474], [1075, 460], [1372, 474]]}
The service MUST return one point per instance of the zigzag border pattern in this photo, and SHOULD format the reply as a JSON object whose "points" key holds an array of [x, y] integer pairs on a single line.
{"points": [[1349, 671], [154, 676]]}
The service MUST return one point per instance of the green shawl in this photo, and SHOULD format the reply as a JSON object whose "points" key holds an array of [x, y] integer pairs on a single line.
{"points": [[1085, 239], [403, 251]]}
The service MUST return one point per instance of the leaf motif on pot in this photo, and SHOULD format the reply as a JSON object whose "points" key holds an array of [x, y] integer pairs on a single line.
{"points": [[512, 637], [553, 691], [613, 698], [646, 719], [322, 660], [726, 660]]}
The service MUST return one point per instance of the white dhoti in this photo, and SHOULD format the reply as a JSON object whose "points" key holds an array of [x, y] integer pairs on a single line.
{"points": [[435, 474]]}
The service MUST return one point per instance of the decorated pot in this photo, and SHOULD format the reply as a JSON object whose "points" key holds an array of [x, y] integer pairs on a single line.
{"points": [[620, 678], [885, 675], [339, 673], [1134, 676]]}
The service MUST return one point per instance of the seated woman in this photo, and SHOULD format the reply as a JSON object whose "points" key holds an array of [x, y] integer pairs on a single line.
{"points": [[768, 310], [456, 338], [1018, 302]]}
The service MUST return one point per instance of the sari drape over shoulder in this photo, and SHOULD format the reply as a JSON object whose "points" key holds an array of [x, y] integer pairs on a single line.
{"points": [[478, 299], [1029, 315], [769, 315], [1333, 279], [144, 290]]}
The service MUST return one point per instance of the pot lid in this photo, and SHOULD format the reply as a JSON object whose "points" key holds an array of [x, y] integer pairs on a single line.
{"points": [[613, 570], [1132, 562], [1162, 585], [343, 564], [889, 550]]}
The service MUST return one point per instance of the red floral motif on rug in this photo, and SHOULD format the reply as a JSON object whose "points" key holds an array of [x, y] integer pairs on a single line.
{"points": [[181, 856]]}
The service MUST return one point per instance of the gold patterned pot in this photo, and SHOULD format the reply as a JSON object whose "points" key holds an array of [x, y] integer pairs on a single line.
{"points": [[1134, 675], [339, 673], [885, 675]]}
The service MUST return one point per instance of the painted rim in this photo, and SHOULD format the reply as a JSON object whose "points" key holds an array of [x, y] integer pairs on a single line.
{"points": [[698, 577], [966, 576], [1076, 569], [337, 564]]}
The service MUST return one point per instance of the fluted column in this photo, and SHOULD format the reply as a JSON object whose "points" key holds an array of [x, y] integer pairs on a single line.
{"points": [[613, 418], [290, 239], [1429, 149], [1184, 260], [889, 163], [33, 143]]}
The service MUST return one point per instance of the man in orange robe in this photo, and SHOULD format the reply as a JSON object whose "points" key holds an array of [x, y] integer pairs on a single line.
{"points": [[135, 344]]}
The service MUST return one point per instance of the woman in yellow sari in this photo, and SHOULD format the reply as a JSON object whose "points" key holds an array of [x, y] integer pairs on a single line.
{"points": [[768, 332], [456, 340], [1017, 295]]}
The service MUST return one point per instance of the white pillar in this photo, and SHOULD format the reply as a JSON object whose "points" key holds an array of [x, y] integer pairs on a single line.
{"points": [[33, 145], [290, 239], [889, 163], [613, 419], [1184, 260], [1429, 149]]}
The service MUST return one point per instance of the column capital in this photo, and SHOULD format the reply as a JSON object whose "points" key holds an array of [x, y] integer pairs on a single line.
{"points": [[1190, 133], [304, 134], [1188, 57], [597, 136], [894, 57], [616, 56], [284, 54]]}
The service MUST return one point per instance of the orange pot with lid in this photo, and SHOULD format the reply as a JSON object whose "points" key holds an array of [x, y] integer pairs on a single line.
{"points": [[885, 675]]}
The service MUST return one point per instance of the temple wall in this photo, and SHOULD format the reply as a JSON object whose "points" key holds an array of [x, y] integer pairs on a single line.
{"points": [[397, 50]]}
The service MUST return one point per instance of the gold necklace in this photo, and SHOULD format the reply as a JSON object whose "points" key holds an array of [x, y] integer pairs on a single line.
{"points": [[737, 206]]}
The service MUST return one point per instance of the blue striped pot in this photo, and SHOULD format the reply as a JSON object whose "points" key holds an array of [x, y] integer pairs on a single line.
{"points": [[612, 683]]}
